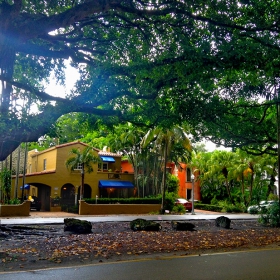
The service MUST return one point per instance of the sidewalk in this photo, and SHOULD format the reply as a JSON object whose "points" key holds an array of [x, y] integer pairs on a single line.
{"points": [[58, 217]]}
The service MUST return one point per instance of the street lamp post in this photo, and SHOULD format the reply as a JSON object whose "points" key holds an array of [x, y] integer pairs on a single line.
{"points": [[192, 178]]}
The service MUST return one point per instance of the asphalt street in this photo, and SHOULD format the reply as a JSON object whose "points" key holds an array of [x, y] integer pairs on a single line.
{"points": [[257, 265]]}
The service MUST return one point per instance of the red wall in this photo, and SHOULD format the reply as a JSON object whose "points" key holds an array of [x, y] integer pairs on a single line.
{"points": [[184, 185], [127, 166]]}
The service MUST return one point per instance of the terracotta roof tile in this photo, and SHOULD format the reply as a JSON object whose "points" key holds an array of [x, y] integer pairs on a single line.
{"points": [[102, 153], [39, 173], [62, 146]]}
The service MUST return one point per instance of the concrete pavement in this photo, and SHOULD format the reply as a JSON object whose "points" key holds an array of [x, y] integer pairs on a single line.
{"points": [[58, 217]]}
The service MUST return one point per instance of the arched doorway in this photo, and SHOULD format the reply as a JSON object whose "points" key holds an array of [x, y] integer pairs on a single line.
{"points": [[44, 194], [87, 191], [68, 195]]}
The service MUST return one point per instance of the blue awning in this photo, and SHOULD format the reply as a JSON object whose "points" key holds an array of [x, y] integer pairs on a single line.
{"points": [[26, 187], [107, 159], [115, 184]]}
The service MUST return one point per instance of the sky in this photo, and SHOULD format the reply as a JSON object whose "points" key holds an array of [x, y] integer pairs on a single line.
{"points": [[210, 146], [71, 76]]}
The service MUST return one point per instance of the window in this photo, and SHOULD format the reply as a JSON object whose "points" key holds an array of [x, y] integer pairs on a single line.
{"points": [[79, 166], [45, 164], [188, 175], [103, 166]]}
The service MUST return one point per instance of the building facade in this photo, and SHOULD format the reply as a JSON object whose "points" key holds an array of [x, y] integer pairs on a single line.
{"points": [[48, 178], [186, 184], [183, 173]]}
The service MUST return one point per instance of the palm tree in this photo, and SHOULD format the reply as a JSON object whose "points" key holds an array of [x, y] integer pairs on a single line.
{"points": [[127, 141], [223, 162], [166, 142], [83, 159]]}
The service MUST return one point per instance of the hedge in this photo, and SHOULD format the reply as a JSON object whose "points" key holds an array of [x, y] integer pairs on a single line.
{"points": [[123, 200], [208, 207]]}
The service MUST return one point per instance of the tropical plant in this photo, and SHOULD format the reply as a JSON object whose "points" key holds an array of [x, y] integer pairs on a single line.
{"points": [[127, 141], [14, 201], [83, 160], [271, 217], [248, 177], [179, 209], [172, 183], [6, 184], [165, 143]]}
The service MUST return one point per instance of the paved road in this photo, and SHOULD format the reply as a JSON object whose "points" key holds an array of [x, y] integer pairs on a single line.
{"points": [[58, 217], [259, 265]]}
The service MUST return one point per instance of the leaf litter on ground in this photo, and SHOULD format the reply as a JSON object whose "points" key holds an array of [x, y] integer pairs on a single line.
{"points": [[114, 241]]}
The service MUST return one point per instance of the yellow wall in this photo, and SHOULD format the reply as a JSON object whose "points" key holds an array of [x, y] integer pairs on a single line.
{"points": [[15, 210], [63, 153], [57, 175], [107, 209], [37, 160]]}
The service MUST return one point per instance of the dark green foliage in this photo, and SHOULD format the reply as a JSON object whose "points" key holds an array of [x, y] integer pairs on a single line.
{"points": [[214, 201], [179, 209], [142, 224], [169, 201], [231, 208], [14, 201], [123, 200], [6, 184], [171, 68], [271, 216], [77, 226], [172, 183], [253, 211], [210, 191], [208, 207], [70, 209]]}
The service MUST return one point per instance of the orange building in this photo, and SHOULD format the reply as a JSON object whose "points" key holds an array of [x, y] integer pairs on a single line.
{"points": [[184, 174], [127, 166]]}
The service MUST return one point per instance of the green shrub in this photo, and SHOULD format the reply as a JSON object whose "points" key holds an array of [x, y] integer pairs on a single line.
{"points": [[14, 201], [272, 196], [172, 183], [253, 211], [70, 208], [179, 209], [231, 208], [73, 209], [169, 201], [214, 201], [154, 200], [208, 207], [270, 217]]}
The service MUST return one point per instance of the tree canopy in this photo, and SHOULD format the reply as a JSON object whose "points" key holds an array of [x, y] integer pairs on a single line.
{"points": [[209, 63]]}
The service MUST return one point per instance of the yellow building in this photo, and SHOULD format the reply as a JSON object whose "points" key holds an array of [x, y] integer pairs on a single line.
{"points": [[48, 177]]}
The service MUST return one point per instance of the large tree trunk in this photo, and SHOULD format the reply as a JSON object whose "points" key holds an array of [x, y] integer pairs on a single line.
{"points": [[7, 54]]}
